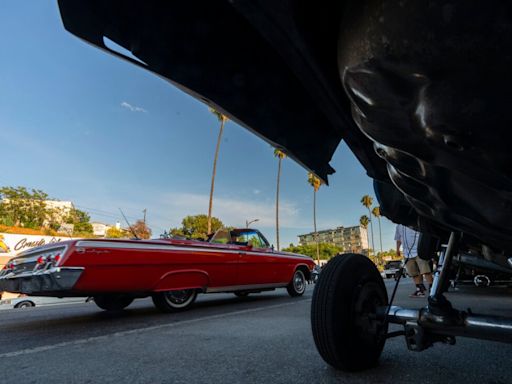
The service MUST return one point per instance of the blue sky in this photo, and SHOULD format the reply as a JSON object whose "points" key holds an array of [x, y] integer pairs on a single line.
{"points": [[88, 127]]}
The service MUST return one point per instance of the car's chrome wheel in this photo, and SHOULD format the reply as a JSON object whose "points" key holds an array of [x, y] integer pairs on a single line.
{"points": [[482, 281], [174, 301], [25, 304], [180, 298], [297, 286]]}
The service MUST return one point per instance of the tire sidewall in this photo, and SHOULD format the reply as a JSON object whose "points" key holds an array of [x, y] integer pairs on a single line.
{"points": [[296, 288], [179, 306], [340, 342], [112, 302], [162, 302], [24, 304]]}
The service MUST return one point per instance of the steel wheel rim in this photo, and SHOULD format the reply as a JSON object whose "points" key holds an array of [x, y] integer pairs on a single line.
{"points": [[299, 282], [179, 298], [364, 310]]}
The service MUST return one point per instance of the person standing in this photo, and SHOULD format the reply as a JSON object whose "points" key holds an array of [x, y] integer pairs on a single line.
{"points": [[416, 267]]}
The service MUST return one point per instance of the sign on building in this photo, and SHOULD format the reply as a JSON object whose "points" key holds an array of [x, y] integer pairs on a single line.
{"points": [[12, 244]]}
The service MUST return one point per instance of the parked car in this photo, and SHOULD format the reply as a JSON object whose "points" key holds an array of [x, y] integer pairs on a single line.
{"points": [[315, 273], [471, 269], [171, 271], [33, 301], [392, 269]]}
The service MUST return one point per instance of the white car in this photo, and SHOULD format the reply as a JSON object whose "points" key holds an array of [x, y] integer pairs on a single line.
{"points": [[391, 269], [32, 301]]}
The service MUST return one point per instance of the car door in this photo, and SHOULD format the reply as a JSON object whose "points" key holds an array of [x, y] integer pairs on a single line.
{"points": [[257, 262]]}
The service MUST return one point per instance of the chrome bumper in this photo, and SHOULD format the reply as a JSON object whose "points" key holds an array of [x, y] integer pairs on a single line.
{"points": [[48, 280]]}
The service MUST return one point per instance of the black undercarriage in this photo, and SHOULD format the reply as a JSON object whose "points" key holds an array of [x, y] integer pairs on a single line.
{"points": [[419, 91]]}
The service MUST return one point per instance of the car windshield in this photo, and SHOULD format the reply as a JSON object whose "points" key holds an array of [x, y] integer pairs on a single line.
{"points": [[393, 264], [240, 237], [222, 236]]}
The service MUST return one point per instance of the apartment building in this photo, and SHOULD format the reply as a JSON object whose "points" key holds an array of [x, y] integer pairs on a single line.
{"points": [[349, 239]]}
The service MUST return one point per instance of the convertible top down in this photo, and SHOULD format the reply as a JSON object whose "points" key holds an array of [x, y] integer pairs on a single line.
{"points": [[172, 271]]}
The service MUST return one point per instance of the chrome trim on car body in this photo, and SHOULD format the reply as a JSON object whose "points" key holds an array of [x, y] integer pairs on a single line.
{"points": [[233, 288], [172, 247], [46, 280]]}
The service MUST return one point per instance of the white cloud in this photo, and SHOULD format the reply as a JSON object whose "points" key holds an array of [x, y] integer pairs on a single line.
{"points": [[232, 211], [132, 108], [256, 191], [167, 210]]}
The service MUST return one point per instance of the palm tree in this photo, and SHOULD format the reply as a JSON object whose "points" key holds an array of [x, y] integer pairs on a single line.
{"points": [[280, 155], [367, 201], [222, 118], [364, 223], [376, 213], [315, 182]]}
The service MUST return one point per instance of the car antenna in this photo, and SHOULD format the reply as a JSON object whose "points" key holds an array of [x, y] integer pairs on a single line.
{"points": [[129, 226]]}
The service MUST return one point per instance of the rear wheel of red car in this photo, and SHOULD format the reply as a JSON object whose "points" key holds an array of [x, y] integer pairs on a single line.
{"points": [[297, 286], [174, 301], [113, 302]]}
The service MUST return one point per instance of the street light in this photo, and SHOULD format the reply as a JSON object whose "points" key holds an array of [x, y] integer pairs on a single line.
{"points": [[247, 223]]}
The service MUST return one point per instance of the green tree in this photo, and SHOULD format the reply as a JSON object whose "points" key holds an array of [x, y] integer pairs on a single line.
{"points": [[376, 213], [196, 227], [383, 257], [21, 207], [222, 119], [315, 182], [280, 156], [326, 250], [363, 221], [367, 201], [80, 220]]}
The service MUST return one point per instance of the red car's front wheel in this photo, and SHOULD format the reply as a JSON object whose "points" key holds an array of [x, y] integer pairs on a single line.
{"points": [[297, 286]]}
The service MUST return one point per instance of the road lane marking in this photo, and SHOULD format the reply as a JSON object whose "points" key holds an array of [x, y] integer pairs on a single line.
{"points": [[49, 347]]}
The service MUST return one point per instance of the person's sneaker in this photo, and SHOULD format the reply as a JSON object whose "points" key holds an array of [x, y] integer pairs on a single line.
{"points": [[418, 293]]}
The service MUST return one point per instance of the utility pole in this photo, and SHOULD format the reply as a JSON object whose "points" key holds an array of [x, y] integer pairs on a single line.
{"points": [[144, 210]]}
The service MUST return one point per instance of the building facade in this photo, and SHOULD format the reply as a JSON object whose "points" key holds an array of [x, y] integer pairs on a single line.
{"points": [[349, 239], [61, 209]]}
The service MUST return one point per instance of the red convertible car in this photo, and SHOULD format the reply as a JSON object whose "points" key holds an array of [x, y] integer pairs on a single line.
{"points": [[171, 271]]}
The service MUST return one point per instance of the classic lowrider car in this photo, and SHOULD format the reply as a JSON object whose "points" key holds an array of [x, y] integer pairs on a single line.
{"points": [[171, 271]]}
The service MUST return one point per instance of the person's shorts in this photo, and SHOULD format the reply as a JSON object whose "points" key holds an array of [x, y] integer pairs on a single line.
{"points": [[416, 266]]}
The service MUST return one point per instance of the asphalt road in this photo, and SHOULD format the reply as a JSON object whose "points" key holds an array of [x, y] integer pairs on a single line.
{"points": [[265, 338]]}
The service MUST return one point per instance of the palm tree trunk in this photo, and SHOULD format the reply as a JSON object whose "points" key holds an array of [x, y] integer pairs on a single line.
{"points": [[213, 176], [371, 228], [314, 226], [277, 202], [368, 240], [380, 236]]}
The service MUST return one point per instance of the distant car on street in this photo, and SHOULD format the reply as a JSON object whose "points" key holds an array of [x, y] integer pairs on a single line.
{"points": [[31, 301], [392, 269], [315, 273]]}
